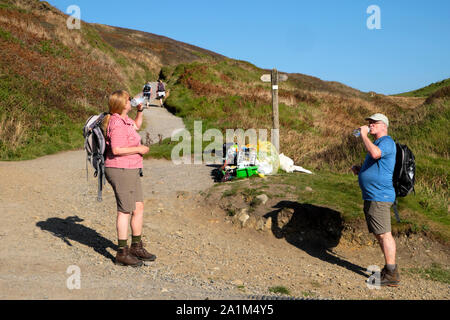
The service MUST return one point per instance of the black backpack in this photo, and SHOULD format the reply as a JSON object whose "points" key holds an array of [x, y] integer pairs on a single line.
{"points": [[147, 88], [95, 146], [404, 174]]}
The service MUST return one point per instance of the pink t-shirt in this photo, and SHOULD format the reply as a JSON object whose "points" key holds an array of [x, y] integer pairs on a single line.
{"points": [[121, 133]]}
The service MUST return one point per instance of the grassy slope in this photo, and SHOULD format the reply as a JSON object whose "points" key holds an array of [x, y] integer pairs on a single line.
{"points": [[52, 78], [426, 91]]}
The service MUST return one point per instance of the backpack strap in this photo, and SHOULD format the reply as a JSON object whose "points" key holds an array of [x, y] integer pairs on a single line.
{"points": [[87, 168], [395, 207], [101, 179]]}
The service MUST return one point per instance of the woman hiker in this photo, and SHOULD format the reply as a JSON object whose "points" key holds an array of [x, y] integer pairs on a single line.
{"points": [[123, 165], [160, 92]]}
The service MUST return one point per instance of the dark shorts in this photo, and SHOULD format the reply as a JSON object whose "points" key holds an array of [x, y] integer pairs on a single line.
{"points": [[378, 216], [127, 187]]}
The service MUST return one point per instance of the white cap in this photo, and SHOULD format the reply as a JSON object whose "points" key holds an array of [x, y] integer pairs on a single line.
{"points": [[379, 117]]}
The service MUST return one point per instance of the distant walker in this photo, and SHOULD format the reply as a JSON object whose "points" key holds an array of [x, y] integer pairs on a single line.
{"points": [[160, 92], [147, 92]]}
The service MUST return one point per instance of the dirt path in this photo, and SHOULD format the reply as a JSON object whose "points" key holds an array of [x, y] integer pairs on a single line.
{"points": [[50, 220], [159, 123]]}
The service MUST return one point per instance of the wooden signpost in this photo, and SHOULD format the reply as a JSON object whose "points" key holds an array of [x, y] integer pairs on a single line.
{"points": [[275, 78]]}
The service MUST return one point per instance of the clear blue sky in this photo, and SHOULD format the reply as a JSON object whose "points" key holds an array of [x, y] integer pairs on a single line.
{"points": [[327, 39]]}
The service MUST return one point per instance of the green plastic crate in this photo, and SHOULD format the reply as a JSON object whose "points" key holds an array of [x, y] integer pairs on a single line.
{"points": [[246, 172]]}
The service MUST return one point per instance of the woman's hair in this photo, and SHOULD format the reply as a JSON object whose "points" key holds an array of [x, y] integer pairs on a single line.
{"points": [[117, 102]]}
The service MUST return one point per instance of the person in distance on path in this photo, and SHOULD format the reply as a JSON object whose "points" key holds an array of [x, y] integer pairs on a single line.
{"points": [[147, 92], [160, 92]]}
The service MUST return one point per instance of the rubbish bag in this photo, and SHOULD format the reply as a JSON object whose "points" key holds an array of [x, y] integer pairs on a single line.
{"points": [[287, 164], [267, 160]]}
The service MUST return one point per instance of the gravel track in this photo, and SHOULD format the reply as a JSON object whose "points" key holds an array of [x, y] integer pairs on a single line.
{"points": [[51, 220]]}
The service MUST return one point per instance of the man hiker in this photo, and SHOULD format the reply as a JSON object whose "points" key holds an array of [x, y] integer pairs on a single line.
{"points": [[375, 181], [147, 92]]}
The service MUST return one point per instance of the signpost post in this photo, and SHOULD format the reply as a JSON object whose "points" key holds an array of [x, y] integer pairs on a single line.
{"points": [[274, 78]]}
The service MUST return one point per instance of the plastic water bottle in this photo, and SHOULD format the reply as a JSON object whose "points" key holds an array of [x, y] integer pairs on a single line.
{"points": [[357, 132], [137, 101]]}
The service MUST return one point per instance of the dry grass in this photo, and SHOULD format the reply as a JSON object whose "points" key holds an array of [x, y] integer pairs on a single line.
{"points": [[315, 123], [12, 131], [23, 24]]}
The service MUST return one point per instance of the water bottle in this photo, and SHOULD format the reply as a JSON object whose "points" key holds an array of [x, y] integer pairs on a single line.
{"points": [[137, 101], [357, 132]]}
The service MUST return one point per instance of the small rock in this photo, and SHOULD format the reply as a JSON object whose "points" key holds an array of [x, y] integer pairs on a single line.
{"points": [[243, 210], [309, 189], [264, 198], [243, 218], [237, 283], [260, 224], [268, 224], [251, 223]]}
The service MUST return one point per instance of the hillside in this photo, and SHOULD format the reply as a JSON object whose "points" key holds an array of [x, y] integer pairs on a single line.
{"points": [[428, 90], [52, 79], [316, 117]]}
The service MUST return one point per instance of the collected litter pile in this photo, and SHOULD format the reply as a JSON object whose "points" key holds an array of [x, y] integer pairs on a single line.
{"points": [[246, 161]]}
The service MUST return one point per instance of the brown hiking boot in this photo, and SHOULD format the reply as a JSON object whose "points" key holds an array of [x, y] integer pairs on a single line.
{"points": [[137, 249], [124, 258], [390, 278]]}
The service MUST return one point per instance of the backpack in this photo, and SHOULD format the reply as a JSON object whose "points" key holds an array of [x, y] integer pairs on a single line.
{"points": [[95, 146], [147, 88], [404, 174]]}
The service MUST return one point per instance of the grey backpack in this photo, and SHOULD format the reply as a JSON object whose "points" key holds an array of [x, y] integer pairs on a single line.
{"points": [[95, 146]]}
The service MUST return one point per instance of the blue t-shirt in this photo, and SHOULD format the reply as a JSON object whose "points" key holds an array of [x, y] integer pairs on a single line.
{"points": [[375, 177]]}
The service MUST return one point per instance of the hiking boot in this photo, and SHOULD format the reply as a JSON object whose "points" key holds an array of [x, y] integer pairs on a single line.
{"points": [[137, 249], [390, 278], [124, 258]]}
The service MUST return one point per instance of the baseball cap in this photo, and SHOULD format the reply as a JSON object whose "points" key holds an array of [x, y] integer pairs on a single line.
{"points": [[379, 117]]}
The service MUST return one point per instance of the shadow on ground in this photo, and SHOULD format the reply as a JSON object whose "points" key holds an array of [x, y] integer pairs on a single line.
{"points": [[313, 229], [70, 229]]}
